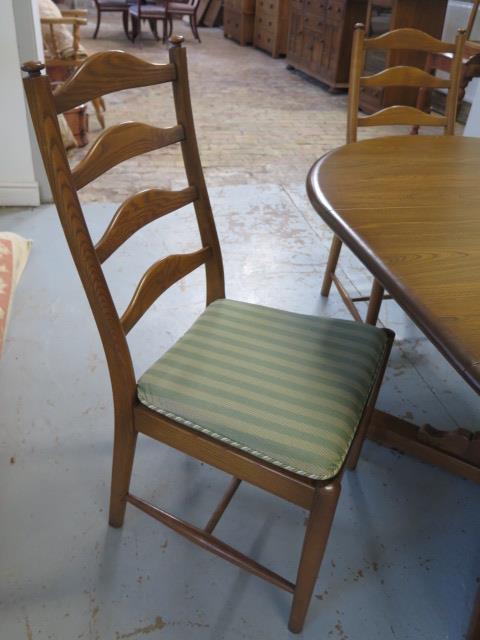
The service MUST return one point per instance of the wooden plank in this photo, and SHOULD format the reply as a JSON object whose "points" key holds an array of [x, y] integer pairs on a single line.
{"points": [[202, 8]]}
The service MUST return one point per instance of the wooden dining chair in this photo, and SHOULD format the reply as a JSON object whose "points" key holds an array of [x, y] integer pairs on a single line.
{"points": [[396, 76], [153, 12], [112, 6], [278, 399]]}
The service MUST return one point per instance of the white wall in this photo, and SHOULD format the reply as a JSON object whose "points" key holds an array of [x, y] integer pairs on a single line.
{"points": [[30, 47], [18, 184]]}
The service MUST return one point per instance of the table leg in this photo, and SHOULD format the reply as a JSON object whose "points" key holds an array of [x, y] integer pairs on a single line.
{"points": [[455, 451]]}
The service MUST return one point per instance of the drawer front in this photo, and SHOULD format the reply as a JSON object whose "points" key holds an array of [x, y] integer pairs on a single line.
{"points": [[269, 7], [264, 39], [316, 23], [238, 26], [265, 21], [316, 7]]}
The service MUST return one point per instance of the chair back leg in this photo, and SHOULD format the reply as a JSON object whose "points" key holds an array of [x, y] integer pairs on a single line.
{"points": [[331, 266], [314, 544], [99, 17]]}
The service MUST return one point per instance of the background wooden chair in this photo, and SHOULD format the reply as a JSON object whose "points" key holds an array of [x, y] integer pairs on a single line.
{"points": [[153, 12], [397, 76], [60, 68], [180, 9], [277, 399], [117, 6]]}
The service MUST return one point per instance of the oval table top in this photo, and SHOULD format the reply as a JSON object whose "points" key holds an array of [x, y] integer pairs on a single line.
{"points": [[409, 208]]}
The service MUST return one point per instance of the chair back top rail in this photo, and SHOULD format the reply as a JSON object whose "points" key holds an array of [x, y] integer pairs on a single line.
{"points": [[408, 38], [109, 71], [137, 211], [119, 143]]}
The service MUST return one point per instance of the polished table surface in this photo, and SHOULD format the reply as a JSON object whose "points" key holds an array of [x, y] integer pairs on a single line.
{"points": [[409, 208]]}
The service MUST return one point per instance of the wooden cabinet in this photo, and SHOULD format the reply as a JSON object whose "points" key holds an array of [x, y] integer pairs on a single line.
{"points": [[320, 38], [271, 26], [428, 16], [238, 20]]}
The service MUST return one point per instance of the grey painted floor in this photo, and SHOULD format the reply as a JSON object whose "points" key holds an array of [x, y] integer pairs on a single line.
{"points": [[403, 557]]}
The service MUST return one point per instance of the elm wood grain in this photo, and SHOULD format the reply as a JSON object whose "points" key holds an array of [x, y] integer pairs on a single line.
{"points": [[428, 16], [211, 543], [107, 72], [137, 211], [131, 417], [119, 143], [157, 279], [410, 214], [400, 39]]}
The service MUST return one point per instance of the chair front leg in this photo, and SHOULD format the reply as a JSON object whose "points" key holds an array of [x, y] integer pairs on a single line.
{"points": [[125, 23], [316, 537]]}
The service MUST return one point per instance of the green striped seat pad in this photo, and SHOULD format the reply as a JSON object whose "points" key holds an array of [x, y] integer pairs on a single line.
{"points": [[287, 388]]}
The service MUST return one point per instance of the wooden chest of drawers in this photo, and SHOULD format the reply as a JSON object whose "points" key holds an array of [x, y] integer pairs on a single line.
{"points": [[271, 26], [320, 38], [238, 20]]}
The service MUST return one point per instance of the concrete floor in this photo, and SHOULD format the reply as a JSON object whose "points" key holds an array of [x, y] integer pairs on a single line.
{"points": [[403, 557]]}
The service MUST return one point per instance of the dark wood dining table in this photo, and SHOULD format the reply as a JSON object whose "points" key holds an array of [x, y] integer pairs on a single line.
{"points": [[409, 208]]}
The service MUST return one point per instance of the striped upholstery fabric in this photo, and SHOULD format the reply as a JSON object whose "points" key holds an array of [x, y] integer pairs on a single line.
{"points": [[285, 387]]}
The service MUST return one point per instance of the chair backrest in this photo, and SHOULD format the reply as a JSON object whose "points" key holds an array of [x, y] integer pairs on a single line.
{"points": [[402, 76], [100, 74]]}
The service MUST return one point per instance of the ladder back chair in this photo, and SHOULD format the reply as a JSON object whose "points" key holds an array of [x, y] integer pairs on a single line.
{"points": [[396, 76], [277, 399]]}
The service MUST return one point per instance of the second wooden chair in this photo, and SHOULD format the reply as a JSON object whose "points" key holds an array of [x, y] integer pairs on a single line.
{"points": [[397, 76]]}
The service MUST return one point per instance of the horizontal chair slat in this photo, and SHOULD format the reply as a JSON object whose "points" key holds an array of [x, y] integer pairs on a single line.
{"points": [[139, 210], [407, 38], [402, 76], [106, 72], [211, 543], [119, 143], [158, 279], [398, 114]]}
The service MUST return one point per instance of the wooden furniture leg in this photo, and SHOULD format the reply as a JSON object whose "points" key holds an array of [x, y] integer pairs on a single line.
{"points": [[122, 464], [314, 544], [376, 297], [331, 266]]}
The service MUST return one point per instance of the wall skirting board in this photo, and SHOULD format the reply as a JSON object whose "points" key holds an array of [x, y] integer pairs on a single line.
{"points": [[18, 194]]}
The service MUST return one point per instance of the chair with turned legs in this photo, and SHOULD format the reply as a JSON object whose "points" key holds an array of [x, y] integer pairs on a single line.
{"points": [[276, 399]]}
